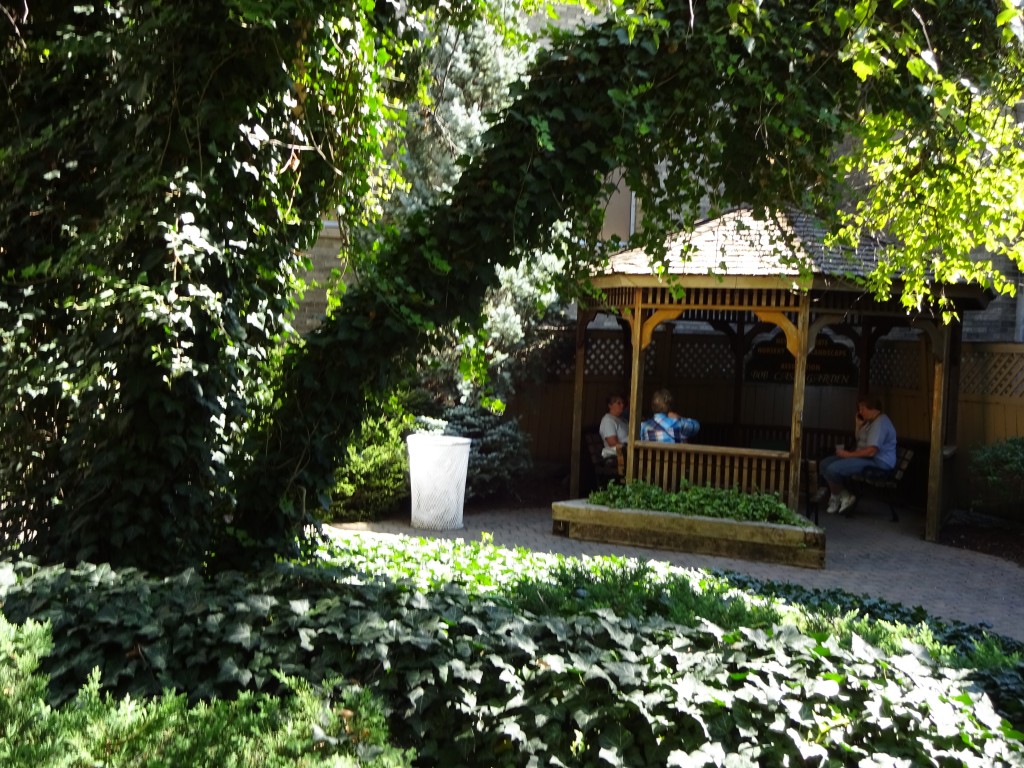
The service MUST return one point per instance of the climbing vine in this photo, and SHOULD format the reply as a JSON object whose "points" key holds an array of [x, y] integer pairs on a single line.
{"points": [[164, 167]]}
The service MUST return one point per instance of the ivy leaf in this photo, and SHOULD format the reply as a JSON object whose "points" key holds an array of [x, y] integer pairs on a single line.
{"points": [[230, 672], [826, 688], [863, 69]]}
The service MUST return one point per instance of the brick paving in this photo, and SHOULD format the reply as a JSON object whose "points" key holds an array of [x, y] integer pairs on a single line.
{"points": [[867, 554]]}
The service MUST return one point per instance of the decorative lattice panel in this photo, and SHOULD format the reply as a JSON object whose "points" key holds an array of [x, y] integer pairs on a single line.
{"points": [[606, 356], [896, 366], [992, 373], [560, 356], [651, 358], [702, 358]]}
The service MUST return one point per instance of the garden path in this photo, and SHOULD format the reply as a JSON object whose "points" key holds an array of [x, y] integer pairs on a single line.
{"points": [[867, 554]]}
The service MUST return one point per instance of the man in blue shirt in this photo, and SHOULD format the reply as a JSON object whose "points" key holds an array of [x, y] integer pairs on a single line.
{"points": [[667, 426], [876, 447]]}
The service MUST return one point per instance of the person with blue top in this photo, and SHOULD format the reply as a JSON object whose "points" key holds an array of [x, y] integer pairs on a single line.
{"points": [[876, 447], [667, 426]]}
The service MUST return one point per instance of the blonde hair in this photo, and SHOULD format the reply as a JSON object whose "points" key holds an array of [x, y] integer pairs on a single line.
{"points": [[661, 401]]}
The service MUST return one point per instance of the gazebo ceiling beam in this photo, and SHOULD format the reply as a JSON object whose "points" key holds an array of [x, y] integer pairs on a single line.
{"points": [[935, 336], [787, 326], [726, 328], [852, 317], [658, 317], [753, 332], [850, 305]]}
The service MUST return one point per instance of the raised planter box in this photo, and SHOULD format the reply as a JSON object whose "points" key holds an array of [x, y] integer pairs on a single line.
{"points": [[764, 542]]}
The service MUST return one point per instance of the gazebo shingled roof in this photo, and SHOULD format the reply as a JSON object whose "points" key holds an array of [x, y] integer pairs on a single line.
{"points": [[738, 243], [781, 245]]}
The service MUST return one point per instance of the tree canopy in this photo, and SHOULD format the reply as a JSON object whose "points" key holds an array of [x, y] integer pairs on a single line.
{"points": [[166, 162]]}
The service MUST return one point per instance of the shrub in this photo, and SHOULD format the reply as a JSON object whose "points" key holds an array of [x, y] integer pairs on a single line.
{"points": [[997, 474], [499, 454], [374, 479], [333, 726], [699, 501]]}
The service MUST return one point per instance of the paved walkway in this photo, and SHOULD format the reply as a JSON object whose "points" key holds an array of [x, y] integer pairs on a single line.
{"points": [[866, 555]]}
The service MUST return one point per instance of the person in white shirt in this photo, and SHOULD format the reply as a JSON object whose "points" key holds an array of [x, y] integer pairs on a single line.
{"points": [[614, 428]]}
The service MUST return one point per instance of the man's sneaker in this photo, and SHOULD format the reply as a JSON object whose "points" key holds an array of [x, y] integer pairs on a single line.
{"points": [[846, 500], [833, 505], [820, 496]]}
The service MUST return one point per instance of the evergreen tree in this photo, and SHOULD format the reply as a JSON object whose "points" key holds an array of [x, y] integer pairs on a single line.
{"points": [[471, 72]]}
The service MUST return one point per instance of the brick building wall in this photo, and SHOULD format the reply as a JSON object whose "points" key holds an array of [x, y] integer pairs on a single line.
{"points": [[324, 256]]}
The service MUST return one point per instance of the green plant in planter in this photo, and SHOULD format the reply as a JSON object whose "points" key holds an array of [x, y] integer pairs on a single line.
{"points": [[699, 501], [997, 475]]}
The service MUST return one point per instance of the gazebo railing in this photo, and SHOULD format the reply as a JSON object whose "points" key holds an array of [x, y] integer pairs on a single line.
{"points": [[746, 469]]}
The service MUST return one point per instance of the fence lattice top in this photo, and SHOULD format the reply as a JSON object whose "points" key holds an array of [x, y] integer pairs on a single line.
{"points": [[992, 372]]}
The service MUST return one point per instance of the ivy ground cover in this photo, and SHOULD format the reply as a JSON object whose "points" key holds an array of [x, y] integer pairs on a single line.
{"points": [[485, 656]]}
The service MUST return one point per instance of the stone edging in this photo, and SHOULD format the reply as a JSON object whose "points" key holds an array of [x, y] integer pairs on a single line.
{"points": [[764, 542]]}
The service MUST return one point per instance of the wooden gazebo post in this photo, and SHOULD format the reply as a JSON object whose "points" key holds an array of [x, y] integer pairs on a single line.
{"points": [[798, 345], [940, 351], [583, 317], [799, 388], [636, 378]]}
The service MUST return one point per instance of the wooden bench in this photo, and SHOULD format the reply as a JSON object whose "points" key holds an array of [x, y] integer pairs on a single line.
{"points": [[885, 484]]}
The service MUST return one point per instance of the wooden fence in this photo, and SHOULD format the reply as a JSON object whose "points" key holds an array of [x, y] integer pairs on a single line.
{"points": [[991, 403]]}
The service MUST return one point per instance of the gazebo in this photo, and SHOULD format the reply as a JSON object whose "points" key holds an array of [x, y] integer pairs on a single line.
{"points": [[750, 277]]}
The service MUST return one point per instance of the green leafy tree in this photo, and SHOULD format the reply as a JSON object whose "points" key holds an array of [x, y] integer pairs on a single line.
{"points": [[373, 478], [150, 222], [148, 242], [485, 359], [471, 69]]}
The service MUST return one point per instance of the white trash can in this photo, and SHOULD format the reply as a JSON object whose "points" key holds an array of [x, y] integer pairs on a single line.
{"points": [[437, 474]]}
